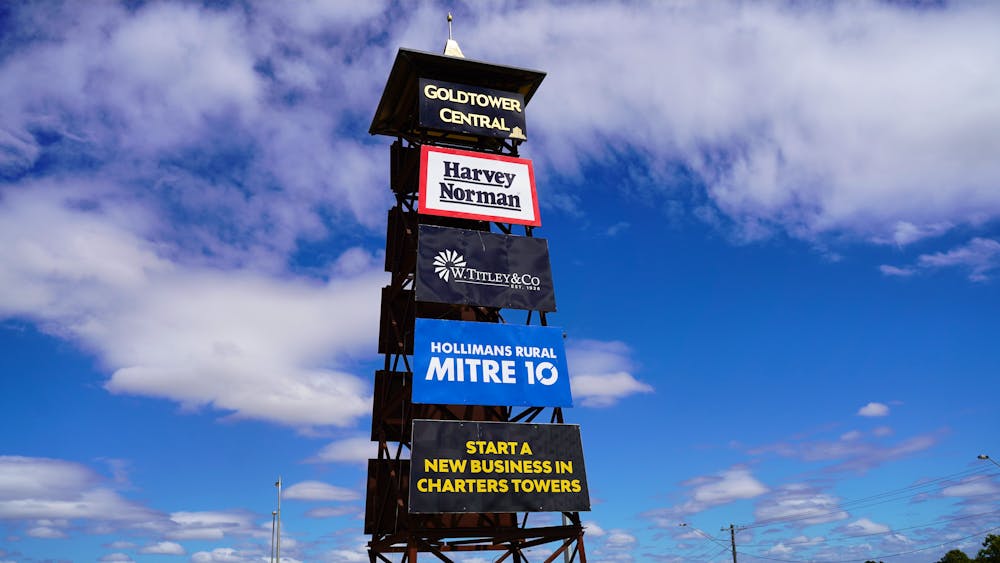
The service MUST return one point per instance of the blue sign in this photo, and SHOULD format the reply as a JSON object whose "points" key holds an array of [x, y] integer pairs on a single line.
{"points": [[468, 363]]}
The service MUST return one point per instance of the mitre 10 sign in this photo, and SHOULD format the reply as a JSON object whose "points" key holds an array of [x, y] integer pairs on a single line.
{"points": [[469, 363]]}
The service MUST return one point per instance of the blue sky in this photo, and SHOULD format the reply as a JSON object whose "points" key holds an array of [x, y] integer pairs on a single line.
{"points": [[775, 238]]}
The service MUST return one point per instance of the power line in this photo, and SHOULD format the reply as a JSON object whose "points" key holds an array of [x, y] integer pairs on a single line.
{"points": [[892, 531], [976, 474], [712, 539], [876, 557], [724, 550]]}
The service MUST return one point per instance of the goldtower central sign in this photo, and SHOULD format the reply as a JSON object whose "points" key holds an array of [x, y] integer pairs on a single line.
{"points": [[470, 109]]}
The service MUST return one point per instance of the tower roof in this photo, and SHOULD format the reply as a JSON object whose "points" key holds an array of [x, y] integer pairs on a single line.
{"points": [[397, 109]]}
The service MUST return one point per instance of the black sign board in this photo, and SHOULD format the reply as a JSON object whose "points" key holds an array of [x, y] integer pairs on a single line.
{"points": [[479, 268], [470, 109], [496, 467]]}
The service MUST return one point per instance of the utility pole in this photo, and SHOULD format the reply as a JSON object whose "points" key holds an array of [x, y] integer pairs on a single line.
{"points": [[732, 539]]}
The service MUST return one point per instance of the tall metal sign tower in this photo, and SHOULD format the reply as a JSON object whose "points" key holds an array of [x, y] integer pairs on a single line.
{"points": [[468, 408]]}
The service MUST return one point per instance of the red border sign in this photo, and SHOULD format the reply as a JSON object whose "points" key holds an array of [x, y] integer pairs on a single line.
{"points": [[475, 185]]}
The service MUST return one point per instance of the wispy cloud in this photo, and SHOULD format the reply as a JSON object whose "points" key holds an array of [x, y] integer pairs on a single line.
{"points": [[979, 257], [851, 451]]}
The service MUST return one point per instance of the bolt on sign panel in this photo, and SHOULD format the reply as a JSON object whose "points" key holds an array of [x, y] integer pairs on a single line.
{"points": [[475, 185], [480, 268], [471, 363], [474, 110], [496, 467]]}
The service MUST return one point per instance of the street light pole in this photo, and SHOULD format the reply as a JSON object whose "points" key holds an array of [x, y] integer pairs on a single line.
{"points": [[277, 544], [985, 457], [274, 513]]}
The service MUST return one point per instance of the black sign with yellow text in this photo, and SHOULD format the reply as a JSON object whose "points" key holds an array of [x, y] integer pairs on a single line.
{"points": [[496, 467], [482, 112]]}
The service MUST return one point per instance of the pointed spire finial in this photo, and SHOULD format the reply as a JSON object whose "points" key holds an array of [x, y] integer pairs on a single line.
{"points": [[451, 48]]}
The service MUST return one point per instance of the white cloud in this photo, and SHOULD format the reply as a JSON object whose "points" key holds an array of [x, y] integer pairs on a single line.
{"points": [[51, 494], [316, 490], [349, 450], [211, 525], [972, 487], [166, 90], [46, 532], [798, 505], [843, 99], [120, 545], [874, 409], [31, 477], [116, 557], [600, 373], [841, 134], [864, 526], [55, 491], [733, 484], [352, 549], [593, 529], [730, 485], [358, 555], [796, 543], [223, 555], [245, 343], [779, 549], [619, 539], [164, 548], [331, 511]]}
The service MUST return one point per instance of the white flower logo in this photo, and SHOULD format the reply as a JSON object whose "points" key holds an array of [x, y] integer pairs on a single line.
{"points": [[445, 261]]}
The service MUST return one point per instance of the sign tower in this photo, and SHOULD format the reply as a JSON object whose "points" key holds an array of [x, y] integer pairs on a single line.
{"points": [[468, 408]]}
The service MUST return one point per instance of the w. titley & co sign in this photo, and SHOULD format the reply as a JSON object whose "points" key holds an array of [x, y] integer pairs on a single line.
{"points": [[481, 268]]}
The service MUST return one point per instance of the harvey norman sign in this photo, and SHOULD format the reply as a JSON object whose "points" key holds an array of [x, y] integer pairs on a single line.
{"points": [[470, 109], [470, 363], [473, 185], [481, 268]]}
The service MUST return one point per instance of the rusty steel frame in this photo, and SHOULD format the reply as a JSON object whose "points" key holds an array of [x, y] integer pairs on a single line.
{"points": [[439, 534]]}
